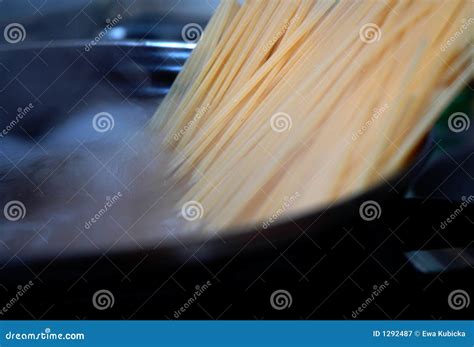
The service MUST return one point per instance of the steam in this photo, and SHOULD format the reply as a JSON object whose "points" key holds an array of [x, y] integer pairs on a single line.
{"points": [[86, 190]]}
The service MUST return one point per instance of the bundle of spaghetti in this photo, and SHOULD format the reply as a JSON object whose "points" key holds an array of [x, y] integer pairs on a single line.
{"points": [[315, 99], [201, 54]]}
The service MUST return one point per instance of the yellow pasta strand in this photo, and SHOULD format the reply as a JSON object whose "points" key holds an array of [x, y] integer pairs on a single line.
{"points": [[301, 103]]}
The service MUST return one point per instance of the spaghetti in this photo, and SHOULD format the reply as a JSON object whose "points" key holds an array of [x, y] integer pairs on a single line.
{"points": [[320, 98]]}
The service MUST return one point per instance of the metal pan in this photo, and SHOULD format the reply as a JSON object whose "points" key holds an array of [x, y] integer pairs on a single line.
{"points": [[59, 79]]}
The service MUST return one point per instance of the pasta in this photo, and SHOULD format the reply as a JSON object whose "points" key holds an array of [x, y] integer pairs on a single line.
{"points": [[316, 99]]}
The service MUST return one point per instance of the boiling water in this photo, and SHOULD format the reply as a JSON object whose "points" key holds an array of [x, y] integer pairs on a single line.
{"points": [[88, 185]]}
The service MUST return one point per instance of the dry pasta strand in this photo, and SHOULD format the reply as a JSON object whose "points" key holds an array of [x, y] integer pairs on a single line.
{"points": [[289, 105]]}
